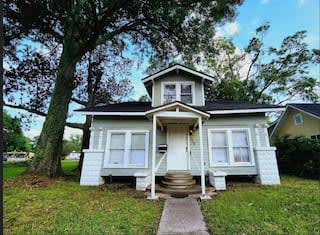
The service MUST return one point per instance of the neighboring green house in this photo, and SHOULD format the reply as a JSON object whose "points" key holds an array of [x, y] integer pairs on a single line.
{"points": [[179, 134], [297, 120]]}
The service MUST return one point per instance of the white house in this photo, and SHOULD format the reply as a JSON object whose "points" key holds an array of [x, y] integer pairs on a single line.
{"points": [[179, 131]]}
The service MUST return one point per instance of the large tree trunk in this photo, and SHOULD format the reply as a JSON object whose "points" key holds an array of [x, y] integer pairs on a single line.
{"points": [[47, 160], [85, 140]]}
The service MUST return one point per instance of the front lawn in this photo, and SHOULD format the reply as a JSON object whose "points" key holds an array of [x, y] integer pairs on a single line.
{"points": [[40, 206], [292, 208], [14, 169]]}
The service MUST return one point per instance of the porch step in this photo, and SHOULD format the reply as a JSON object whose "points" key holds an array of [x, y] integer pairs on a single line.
{"points": [[178, 180]]}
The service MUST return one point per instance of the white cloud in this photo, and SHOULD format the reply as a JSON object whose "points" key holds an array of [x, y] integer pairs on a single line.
{"points": [[232, 28], [68, 132], [264, 1]]}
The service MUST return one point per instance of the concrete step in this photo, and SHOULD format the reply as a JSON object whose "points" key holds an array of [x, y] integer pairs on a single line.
{"points": [[178, 182]]}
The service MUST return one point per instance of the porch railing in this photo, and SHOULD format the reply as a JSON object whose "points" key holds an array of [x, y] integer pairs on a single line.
{"points": [[160, 161]]}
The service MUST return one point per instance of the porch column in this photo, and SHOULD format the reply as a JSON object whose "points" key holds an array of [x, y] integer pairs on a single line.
{"points": [[203, 182], [153, 169], [92, 137]]}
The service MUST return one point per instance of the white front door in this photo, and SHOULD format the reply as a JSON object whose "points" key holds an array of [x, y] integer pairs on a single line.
{"points": [[177, 147]]}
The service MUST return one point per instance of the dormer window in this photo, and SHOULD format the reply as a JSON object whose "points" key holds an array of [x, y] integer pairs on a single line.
{"points": [[181, 91], [170, 93]]}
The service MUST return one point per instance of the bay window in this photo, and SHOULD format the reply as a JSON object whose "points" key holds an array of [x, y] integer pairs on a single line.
{"points": [[180, 91], [230, 147], [127, 149]]}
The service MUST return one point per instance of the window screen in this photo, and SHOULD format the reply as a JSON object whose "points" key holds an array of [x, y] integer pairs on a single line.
{"points": [[240, 146], [170, 93], [138, 149], [219, 147], [186, 94], [117, 147]]}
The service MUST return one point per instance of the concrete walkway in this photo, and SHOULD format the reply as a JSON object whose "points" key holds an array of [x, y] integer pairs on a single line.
{"points": [[182, 216]]}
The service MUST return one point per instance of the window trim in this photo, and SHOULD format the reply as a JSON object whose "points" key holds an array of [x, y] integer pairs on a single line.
{"points": [[295, 120], [127, 148], [230, 160], [178, 90]]}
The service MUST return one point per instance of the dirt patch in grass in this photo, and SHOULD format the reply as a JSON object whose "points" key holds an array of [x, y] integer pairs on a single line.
{"points": [[31, 181]]}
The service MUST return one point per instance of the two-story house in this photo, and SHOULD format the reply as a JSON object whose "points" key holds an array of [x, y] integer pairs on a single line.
{"points": [[179, 132]]}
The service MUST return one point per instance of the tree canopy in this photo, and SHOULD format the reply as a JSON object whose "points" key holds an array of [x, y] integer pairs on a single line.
{"points": [[256, 73], [155, 27]]}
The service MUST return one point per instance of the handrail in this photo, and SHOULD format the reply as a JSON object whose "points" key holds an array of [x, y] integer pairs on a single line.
{"points": [[160, 161]]}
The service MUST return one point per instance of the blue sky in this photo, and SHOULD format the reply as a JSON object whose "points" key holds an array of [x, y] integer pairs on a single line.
{"points": [[285, 17]]}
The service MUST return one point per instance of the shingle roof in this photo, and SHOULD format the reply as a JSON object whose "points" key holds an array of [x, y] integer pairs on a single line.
{"points": [[313, 109], [234, 104], [120, 107], [209, 106]]}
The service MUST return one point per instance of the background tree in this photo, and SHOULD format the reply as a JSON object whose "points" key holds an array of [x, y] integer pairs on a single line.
{"points": [[80, 26], [13, 137], [73, 144], [256, 73]]}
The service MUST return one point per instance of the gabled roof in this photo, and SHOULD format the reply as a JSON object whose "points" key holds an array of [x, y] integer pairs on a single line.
{"points": [[309, 109], [178, 104], [178, 67], [213, 107]]}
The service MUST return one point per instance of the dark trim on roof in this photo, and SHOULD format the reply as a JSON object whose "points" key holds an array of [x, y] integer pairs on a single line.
{"points": [[177, 64]]}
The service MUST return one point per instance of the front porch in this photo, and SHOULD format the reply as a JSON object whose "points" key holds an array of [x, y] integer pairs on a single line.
{"points": [[179, 121]]}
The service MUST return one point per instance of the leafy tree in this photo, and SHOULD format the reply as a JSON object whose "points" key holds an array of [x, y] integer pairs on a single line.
{"points": [[256, 73], [74, 144], [29, 83], [80, 26], [13, 137]]}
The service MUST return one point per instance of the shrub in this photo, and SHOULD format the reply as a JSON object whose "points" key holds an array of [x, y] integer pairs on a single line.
{"points": [[298, 156]]}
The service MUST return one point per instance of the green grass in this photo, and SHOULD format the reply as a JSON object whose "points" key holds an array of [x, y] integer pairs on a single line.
{"points": [[14, 169], [64, 207], [292, 208]]}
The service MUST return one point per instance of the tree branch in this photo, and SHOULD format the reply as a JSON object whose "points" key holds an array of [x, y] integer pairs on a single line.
{"points": [[43, 114], [75, 125], [84, 103], [34, 111]]}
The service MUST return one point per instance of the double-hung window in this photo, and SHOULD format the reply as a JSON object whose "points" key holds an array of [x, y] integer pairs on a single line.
{"points": [[181, 91], [186, 93], [230, 147], [170, 93], [240, 145], [127, 149], [219, 149], [117, 148]]}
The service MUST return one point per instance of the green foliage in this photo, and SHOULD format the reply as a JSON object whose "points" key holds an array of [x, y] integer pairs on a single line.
{"points": [[13, 136], [74, 144], [298, 156], [245, 208], [255, 73]]}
